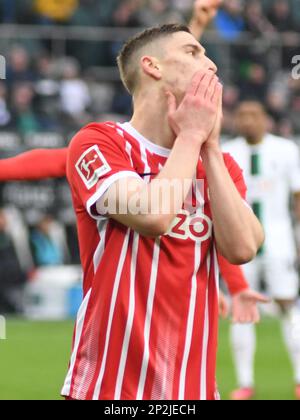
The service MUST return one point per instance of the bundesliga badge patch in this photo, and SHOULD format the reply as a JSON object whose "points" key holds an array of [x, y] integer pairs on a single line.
{"points": [[91, 166]]}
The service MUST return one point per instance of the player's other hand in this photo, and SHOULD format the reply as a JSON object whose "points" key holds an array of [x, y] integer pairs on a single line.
{"points": [[196, 116], [223, 306], [205, 11], [213, 140], [245, 307]]}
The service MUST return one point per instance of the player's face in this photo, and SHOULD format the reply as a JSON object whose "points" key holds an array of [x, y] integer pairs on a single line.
{"points": [[251, 120], [183, 57]]}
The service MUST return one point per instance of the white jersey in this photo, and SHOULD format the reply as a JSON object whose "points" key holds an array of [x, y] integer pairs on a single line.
{"points": [[272, 173]]}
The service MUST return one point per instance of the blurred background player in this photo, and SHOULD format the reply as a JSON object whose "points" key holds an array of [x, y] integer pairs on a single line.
{"points": [[272, 171]]}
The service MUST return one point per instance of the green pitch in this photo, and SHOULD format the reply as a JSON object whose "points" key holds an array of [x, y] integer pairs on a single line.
{"points": [[34, 360]]}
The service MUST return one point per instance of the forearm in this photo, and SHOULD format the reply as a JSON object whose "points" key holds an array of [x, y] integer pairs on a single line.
{"points": [[233, 276], [177, 175], [162, 199], [34, 165], [238, 233]]}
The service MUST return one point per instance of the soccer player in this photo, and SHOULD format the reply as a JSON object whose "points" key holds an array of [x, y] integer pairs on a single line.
{"points": [[147, 328], [272, 170]]}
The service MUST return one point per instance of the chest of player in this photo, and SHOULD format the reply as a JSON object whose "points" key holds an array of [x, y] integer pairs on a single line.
{"points": [[194, 221]]}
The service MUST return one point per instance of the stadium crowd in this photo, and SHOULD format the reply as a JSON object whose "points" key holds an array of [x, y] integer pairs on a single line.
{"points": [[46, 98]]}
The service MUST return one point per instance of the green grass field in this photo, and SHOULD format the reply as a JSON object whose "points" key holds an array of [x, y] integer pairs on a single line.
{"points": [[34, 359]]}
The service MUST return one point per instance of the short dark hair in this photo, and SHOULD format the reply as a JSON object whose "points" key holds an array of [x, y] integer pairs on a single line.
{"points": [[129, 74]]}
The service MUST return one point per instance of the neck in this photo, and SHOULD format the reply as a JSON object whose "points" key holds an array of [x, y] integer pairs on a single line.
{"points": [[150, 118], [254, 141]]}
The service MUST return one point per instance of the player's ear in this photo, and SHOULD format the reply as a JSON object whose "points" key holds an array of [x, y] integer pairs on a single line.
{"points": [[150, 66]]}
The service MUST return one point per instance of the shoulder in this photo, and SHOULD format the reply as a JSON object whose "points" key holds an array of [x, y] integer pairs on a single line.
{"points": [[107, 130], [281, 145], [233, 145]]}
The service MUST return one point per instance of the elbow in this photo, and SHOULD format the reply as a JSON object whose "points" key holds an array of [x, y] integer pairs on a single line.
{"points": [[155, 227], [243, 254], [245, 251]]}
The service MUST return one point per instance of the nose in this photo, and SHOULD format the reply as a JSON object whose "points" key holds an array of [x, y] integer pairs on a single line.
{"points": [[211, 65]]}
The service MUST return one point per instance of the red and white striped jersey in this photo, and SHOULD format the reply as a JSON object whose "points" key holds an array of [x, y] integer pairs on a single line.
{"points": [[148, 325]]}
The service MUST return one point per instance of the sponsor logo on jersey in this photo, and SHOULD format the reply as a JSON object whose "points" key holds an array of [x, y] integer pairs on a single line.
{"points": [[197, 227]]}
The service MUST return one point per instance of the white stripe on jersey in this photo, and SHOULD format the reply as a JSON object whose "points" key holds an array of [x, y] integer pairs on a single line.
{"points": [[102, 226], [120, 377], [79, 328], [203, 375], [217, 270], [150, 303], [123, 255], [129, 152], [190, 323]]}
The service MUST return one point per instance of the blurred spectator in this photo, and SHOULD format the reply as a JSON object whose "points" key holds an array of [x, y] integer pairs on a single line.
{"points": [[8, 11], [281, 16], [25, 119], [74, 93], [126, 14], [5, 116], [256, 21], [122, 102], [254, 82], [86, 14], [230, 22], [47, 90], [48, 243], [55, 11], [12, 277], [19, 66], [159, 12]]}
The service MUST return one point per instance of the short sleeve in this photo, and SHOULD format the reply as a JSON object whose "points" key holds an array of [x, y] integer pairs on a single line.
{"points": [[236, 174], [97, 159]]}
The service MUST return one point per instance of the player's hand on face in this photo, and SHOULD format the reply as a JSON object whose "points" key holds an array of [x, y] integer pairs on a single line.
{"points": [[196, 116], [213, 140], [245, 307]]}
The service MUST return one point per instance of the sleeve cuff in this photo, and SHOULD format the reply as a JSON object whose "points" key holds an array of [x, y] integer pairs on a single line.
{"points": [[103, 189]]}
